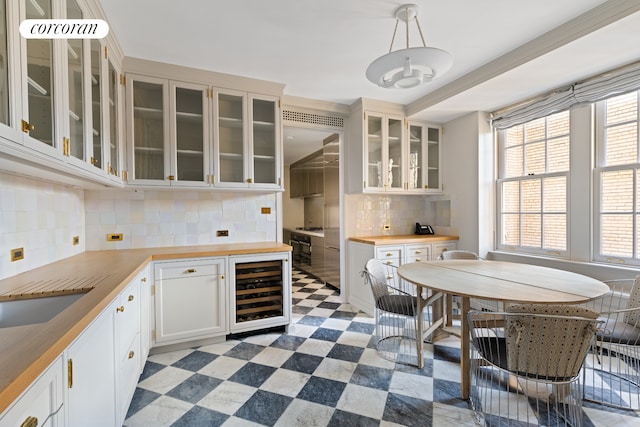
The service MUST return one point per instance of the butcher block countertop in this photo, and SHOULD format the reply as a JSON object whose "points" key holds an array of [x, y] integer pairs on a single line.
{"points": [[403, 239], [26, 351]]}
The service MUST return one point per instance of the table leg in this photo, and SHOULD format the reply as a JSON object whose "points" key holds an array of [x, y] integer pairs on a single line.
{"points": [[419, 337], [465, 364]]}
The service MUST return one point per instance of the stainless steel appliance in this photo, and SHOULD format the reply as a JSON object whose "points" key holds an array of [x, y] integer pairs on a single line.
{"points": [[331, 151], [301, 252]]}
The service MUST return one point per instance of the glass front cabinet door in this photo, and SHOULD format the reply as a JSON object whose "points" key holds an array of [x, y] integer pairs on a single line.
{"points": [[169, 132], [248, 149], [41, 100], [423, 163], [148, 116], [190, 137], [384, 153]]}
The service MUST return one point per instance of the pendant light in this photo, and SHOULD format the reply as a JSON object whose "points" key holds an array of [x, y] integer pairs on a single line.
{"points": [[412, 66]]}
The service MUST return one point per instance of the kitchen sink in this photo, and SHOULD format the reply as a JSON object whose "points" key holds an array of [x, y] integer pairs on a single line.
{"points": [[34, 310]]}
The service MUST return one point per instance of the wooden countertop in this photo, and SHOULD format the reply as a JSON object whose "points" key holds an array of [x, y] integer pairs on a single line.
{"points": [[26, 351], [403, 239]]}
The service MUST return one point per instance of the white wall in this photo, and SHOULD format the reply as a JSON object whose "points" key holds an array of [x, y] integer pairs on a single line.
{"points": [[468, 180]]}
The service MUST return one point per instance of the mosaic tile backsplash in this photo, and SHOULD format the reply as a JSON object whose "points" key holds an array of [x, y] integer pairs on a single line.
{"points": [[40, 217], [176, 218]]}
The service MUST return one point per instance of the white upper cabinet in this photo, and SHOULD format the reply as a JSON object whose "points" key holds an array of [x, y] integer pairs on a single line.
{"points": [[168, 126], [384, 153], [424, 173], [54, 94], [248, 145], [395, 155], [148, 130], [42, 83], [190, 135]]}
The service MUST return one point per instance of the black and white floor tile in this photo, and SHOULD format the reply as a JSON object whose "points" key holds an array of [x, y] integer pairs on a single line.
{"points": [[323, 372]]}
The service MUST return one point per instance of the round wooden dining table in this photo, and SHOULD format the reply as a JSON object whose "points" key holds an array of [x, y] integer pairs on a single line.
{"points": [[496, 281]]}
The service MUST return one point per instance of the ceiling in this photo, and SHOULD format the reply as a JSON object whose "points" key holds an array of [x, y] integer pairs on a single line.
{"points": [[504, 51]]}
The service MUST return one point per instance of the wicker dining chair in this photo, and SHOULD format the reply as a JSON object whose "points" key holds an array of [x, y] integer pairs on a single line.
{"points": [[612, 369], [526, 362], [396, 313]]}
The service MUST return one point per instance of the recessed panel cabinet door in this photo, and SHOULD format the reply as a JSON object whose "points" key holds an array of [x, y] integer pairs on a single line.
{"points": [[190, 300], [90, 368]]}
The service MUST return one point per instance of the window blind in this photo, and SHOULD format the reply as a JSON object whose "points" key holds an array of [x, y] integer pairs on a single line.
{"points": [[597, 88]]}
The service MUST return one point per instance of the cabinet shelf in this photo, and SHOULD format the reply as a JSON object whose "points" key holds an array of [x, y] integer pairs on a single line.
{"points": [[156, 150], [150, 113], [230, 122], [197, 153], [231, 156]]}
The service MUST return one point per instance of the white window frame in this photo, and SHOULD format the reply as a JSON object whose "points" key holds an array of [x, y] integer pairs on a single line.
{"points": [[598, 170], [557, 253]]}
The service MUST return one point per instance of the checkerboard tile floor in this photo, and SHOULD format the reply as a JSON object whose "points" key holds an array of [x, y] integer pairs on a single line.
{"points": [[323, 372]]}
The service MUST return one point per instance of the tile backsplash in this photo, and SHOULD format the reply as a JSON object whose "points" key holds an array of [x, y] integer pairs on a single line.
{"points": [[176, 218], [368, 214], [43, 218], [40, 217]]}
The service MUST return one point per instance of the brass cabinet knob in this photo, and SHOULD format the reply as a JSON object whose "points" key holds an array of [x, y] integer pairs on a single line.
{"points": [[131, 354], [120, 309], [130, 298], [190, 270], [418, 259], [143, 280]]}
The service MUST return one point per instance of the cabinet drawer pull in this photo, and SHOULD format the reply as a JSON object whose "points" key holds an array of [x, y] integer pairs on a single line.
{"points": [[130, 298], [418, 252], [30, 422], [389, 254], [222, 276], [389, 262], [120, 309], [389, 277], [418, 259], [190, 270], [131, 354], [143, 280]]}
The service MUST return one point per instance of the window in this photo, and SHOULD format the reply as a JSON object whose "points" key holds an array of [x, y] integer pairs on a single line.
{"points": [[616, 180], [533, 185]]}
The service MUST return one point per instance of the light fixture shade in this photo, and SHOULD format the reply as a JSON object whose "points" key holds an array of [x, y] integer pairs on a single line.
{"points": [[407, 68], [412, 66]]}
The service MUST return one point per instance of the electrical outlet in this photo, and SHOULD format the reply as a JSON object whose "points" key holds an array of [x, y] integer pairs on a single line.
{"points": [[222, 233], [17, 254], [114, 237], [386, 227], [76, 240]]}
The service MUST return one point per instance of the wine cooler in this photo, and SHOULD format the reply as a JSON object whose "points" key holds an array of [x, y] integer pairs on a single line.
{"points": [[261, 292]]}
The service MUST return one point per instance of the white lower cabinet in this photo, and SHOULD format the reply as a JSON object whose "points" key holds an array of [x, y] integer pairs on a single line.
{"points": [[127, 347], [146, 313], [104, 363], [41, 404], [189, 300], [91, 373], [358, 253]]}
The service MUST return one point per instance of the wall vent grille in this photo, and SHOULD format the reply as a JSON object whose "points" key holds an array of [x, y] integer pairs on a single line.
{"points": [[312, 118]]}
